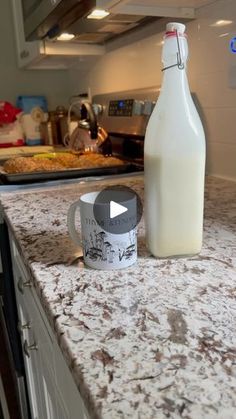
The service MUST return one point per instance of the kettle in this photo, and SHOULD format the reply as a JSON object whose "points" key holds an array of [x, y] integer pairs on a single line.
{"points": [[88, 136]]}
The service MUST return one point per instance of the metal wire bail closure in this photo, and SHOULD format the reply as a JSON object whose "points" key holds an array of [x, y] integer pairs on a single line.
{"points": [[180, 63]]}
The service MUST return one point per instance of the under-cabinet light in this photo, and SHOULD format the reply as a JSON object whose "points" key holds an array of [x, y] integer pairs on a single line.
{"points": [[65, 37], [98, 14], [222, 23]]}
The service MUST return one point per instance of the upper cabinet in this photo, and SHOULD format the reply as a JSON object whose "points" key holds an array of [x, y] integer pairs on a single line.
{"points": [[50, 55], [163, 8], [94, 24]]}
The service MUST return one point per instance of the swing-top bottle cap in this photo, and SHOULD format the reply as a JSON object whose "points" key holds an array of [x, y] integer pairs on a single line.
{"points": [[175, 26]]}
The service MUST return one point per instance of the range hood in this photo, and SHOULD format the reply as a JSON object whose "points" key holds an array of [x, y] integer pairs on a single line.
{"points": [[47, 19]]}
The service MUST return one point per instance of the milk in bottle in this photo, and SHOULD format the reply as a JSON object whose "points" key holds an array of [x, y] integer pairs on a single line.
{"points": [[174, 159]]}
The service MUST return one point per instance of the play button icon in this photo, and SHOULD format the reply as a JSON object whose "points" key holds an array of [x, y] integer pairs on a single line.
{"points": [[116, 209]]}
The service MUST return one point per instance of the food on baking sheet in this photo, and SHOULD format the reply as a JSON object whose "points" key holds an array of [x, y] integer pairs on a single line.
{"points": [[58, 161], [67, 160], [97, 160], [30, 164], [19, 164]]}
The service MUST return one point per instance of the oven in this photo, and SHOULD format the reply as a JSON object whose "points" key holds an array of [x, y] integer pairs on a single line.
{"points": [[125, 115]]}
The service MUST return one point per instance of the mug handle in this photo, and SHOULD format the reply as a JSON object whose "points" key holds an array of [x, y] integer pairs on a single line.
{"points": [[74, 235]]}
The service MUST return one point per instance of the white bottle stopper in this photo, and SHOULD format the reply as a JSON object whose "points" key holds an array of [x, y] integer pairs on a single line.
{"points": [[175, 26]]}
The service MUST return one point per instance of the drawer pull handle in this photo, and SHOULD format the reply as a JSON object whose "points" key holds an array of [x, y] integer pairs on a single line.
{"points": [[27, 348], [22, 327], [21, 285]]}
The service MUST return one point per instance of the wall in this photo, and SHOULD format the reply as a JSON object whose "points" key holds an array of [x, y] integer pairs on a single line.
{"points": [[54, 85], [211, 71]]}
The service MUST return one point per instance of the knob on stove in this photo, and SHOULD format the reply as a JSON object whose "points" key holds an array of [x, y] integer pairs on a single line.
{"points": [[138, 107], [148, 107], [98, 109], [141, 107]]}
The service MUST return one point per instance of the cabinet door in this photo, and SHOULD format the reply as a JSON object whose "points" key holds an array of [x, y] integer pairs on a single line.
{"points": [[35, 344], [49, 394], [62, 411], [31, 363], [27, 52], [50, 55], [52, 391], [45, 360], [68, 394]]}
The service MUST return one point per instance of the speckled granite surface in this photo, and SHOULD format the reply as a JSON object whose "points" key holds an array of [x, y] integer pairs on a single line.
{"points": [[155, 340]]}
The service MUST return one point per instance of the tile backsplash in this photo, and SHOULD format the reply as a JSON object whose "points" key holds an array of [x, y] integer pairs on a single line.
{"points": [[211, 73]]}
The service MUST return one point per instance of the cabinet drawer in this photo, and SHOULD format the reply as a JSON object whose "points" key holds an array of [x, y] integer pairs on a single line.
{"points": [[37, 333], [16, 256], [67, 388], [25, 287], [44, 341], [32, 360], [54, 377]]}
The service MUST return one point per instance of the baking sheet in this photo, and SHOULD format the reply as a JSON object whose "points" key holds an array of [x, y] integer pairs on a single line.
{"points": [[19, 178], [25, 151]]}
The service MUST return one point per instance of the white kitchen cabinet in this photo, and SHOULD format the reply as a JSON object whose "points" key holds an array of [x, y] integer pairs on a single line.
{"points": [[162, 8], [52, 390], [32, 361], [54, 55], [37, 351], [26, 51]]}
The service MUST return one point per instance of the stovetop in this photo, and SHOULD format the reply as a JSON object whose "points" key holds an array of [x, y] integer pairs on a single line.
{"points": [[124, 115]]}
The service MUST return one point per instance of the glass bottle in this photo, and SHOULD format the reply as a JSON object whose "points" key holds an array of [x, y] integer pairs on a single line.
{"points": [[174, 158]]}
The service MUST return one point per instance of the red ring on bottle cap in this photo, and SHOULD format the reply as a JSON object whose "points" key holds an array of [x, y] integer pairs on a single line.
{"points": [[173, 33]]}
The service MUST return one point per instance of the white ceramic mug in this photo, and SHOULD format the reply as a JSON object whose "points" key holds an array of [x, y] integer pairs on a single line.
{"points": [[101, 249]]}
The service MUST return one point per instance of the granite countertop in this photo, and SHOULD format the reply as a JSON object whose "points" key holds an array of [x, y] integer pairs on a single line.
{"points": [[157, 340]]}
